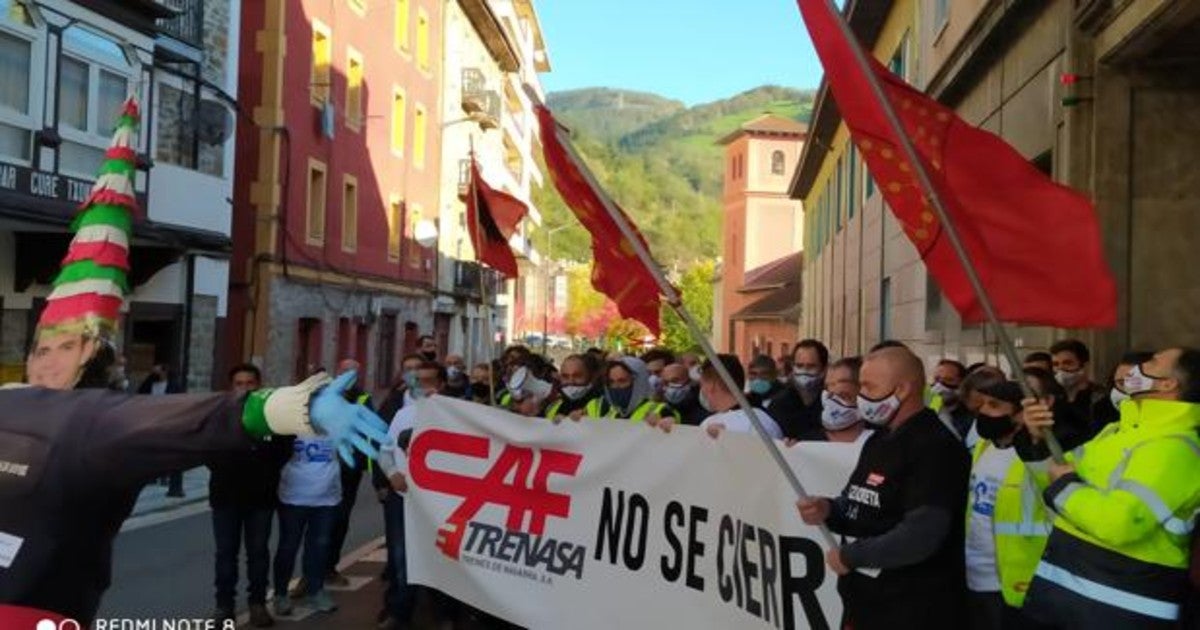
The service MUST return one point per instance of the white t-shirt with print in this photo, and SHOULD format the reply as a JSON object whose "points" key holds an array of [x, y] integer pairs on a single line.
{"points": [[313, 476], [986, 477]]}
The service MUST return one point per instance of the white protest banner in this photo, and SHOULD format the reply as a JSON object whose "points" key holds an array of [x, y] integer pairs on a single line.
{"points": [[603, 523]]}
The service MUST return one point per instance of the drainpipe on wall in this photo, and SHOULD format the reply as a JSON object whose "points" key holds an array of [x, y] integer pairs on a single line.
{"points": [[188, 304]]}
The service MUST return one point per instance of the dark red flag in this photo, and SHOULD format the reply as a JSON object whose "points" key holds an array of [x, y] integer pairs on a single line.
{"points": [[1035, 243], [492, 219], [617, 271]]}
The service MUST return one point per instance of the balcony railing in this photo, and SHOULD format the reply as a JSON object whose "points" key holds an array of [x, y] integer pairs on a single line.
{"points": [[485, 103], [188, 26], [473, 80], [470, 277]]}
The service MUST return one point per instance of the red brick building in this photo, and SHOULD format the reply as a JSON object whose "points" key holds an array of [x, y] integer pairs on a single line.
{"points": [[762, 230], [338, 163]]}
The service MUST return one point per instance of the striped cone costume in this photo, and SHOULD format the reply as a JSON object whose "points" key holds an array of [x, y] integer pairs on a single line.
{"points": [[91, 286]]}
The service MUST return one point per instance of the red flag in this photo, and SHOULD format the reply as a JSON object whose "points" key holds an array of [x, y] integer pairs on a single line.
{"points": [[617, 271], [492, 219], [1035, 243]]}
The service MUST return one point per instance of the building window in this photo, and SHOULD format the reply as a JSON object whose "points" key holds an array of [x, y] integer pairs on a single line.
{"points": [[422, 40], [395, 221], [401, 35], [20, 52], [178, 140], [778, 166], [93, 84], [308, 347], [322, 51], [349, 213], [344, 338], [362, 337], [420, 124], [354, 89], [885, 309], [414, 250], [398, 122], [899, 65], [869, 184], [315, 215], [941, 14], [852, 182], [838, 197], [933, 303]]}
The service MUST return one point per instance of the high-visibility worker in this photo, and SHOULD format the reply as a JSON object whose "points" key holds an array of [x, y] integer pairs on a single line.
{"points": [[627, 394], [1007, 523], [577, 386], [1126, 503]]}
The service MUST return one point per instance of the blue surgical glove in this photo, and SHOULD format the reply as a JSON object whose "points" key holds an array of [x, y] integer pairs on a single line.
{"points": [[346, 423]]}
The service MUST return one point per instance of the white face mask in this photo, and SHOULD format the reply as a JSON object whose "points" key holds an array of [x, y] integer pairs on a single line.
{"points": [[575, 392], [1117, 397], [835, 414], [806, 379], [694, 373], [1067, 378], [949, 394], [878, 412], [1137, 382], [675, 394], [655, 382]]}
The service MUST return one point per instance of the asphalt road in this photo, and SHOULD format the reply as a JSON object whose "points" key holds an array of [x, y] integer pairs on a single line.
{"points": [[165, 570]]}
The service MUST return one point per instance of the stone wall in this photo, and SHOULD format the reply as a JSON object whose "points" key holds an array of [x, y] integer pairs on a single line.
{"points": [[292, 301], [203, 343], [175, 106]]}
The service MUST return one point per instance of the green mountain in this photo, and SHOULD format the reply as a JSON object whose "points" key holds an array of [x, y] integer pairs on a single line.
{"points": [[660, 161], [606, 114]]}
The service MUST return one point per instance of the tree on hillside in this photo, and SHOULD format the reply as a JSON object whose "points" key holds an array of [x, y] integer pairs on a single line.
{"points": [[696, 286]]}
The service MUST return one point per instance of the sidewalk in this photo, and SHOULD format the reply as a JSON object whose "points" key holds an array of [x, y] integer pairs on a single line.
{"points": [[154, 497]]}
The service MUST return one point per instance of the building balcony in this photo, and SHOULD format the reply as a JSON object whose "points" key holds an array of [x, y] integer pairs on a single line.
{"points": [[187, 25], [472, 279], [477, 100]]}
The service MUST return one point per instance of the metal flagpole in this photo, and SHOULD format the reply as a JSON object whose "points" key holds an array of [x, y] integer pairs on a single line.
{"points": [[939, 207], [672, 297], [483, 295]]}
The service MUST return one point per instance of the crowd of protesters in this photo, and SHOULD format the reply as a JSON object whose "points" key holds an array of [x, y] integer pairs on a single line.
{"points": [[955, 490]]}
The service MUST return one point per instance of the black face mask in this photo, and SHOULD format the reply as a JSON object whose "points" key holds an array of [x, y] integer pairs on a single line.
{"points": [[480, 390], [994, 427], [429, 356]]}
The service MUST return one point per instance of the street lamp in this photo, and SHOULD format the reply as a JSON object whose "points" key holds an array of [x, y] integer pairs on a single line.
{"points": [[546, 309]]}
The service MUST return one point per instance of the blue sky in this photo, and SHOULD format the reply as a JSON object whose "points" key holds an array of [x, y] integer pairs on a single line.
{"points": [[695, 51]]}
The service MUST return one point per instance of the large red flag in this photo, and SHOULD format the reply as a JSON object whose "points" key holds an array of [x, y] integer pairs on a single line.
{"points": [[1035, 243], [492, 219], [617, 271]]}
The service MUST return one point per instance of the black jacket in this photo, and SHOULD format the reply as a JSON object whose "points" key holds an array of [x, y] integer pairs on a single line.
{"points": [[794, 417], [690, 411], [83, 457], [758, 399], [250, 478]]}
